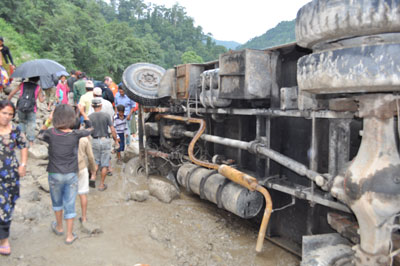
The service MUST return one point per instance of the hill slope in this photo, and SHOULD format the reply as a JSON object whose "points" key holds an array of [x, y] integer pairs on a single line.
{"points": [[281, 34], [228, 44]]}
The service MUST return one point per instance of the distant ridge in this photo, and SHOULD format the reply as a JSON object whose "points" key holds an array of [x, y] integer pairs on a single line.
{"points": [[228, 44], [283, 33]]}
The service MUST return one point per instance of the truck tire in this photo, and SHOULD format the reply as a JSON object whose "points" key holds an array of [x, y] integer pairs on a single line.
{"points": [[369, 68], [141, 81], [322, 21]]}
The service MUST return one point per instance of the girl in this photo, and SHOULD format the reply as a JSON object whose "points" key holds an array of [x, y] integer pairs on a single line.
{"points": [[63, 165], [62, 91]]}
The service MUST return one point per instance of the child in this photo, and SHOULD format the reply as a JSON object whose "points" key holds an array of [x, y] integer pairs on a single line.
{"points": [[121, 126], [62, 91], [63, 166]]}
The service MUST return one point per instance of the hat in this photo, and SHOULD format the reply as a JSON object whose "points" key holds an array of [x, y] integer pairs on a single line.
{"points": [[96, 102], [89, 84], [97, 91]]}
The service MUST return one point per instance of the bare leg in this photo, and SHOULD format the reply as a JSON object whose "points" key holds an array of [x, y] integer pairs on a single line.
{"points": [[59, 218], [70, 227], [83, 199], [103, 176], [4, 242]]}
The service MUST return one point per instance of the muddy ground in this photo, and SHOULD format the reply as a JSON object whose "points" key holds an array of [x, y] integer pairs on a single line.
{"points": [[187, 231]]}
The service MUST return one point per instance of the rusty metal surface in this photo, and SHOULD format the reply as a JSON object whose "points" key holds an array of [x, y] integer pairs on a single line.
{"points": [[247, 74], [187, 79], [371, 186]]}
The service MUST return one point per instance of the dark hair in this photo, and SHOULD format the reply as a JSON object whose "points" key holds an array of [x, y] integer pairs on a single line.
{"points": [[72, 72], [1, 39], [121, 86], [5, 103], [63, 117], [62, 76], [121, 108]]}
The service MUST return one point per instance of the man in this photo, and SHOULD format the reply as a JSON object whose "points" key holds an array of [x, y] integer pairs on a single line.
{"points": [[86, 99], [79, 87], [106, 105], [111, 85], [48, 85], [101, 142], [122, 99], [70, 82], [26, 109]]}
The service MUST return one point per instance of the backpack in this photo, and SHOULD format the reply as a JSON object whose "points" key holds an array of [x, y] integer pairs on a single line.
{"points": [[27, 99]]}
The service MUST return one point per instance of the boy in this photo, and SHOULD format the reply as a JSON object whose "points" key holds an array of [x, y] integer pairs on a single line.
{"points": [[121, 127]]}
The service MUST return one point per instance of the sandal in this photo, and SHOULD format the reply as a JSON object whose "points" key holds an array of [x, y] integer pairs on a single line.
{"points": [[54, 229], [5, 250], [92, 183], [102, 188], [75, 237]]}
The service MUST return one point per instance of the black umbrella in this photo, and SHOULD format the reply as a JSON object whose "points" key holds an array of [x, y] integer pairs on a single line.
{"points": [[37, 67]]}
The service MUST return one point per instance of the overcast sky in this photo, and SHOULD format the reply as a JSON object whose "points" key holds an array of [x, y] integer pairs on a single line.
{"points": [[229, 20]]}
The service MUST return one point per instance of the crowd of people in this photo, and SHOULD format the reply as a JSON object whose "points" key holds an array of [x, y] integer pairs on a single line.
{"points": [[83, 116]]}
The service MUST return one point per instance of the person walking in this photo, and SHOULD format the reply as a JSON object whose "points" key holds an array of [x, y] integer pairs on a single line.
{"points": [[11, 170], [106, 106], [79, 87], [111, 85], [62, 91], [6, 62], [30, 92], [101, 142], [70, 82], [86, 99], [63, 166], [122, 99], [121, 127], [48, 85]]}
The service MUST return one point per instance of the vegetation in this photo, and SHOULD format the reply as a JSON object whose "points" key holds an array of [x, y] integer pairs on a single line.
{"points": [[281, 34], [103, 38]]}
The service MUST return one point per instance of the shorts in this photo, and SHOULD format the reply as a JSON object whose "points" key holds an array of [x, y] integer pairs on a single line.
{"points": [[102, 151], [83, 181], [50, 94], [63, 191]]}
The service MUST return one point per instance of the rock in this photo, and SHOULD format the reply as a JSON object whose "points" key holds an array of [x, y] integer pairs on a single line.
{"points": [[134, 176], [162, 189], [140, 195], [90, 228], [131, 151], [38, 151], [154, 234], [42, 162], [34, 196], [44, 183]]}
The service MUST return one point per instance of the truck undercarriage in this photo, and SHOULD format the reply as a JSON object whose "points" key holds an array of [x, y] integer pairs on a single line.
{"points": [[302, 138]]}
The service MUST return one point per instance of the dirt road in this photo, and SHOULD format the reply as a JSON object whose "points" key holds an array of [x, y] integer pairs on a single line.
{"points": [[188, 231]]}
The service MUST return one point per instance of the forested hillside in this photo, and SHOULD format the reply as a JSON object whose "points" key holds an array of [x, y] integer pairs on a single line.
{"points": [[281, 34], [103, 38]]}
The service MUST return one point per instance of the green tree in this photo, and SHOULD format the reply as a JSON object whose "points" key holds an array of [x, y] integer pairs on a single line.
{"points": [[191, 57]]}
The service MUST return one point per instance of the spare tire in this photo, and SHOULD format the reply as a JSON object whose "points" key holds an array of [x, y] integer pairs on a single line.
{"points": [[322, 21], [141, 81]]}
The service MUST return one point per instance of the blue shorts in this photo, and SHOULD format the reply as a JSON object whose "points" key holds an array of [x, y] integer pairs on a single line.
{"points": [[63, 192]]}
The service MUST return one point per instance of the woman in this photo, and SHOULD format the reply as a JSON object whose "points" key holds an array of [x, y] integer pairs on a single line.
{"points": [[6, 61], [10, 170], [63, 166], [62, 91]]}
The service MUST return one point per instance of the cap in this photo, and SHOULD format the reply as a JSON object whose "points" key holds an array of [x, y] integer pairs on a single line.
{"points": [[96, 102], [97, 91], [89, 84]]}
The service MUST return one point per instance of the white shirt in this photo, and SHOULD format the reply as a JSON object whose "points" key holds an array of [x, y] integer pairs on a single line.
{"points": [[106, 107]]}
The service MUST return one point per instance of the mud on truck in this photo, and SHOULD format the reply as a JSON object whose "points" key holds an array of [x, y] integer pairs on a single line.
{"points": [[303, 138]]}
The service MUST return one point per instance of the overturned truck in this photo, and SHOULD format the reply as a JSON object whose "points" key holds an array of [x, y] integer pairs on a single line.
{"points": [[302, 138]]}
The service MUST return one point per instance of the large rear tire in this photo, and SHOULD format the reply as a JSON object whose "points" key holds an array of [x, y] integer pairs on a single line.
{"points": [[322, 21], [141, 81]]}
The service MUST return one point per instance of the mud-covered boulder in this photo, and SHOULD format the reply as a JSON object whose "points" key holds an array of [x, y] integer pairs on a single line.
{"points": [[162, 189]]}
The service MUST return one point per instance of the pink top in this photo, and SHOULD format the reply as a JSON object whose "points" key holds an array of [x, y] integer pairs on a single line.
{"points": [[65, 90]]}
